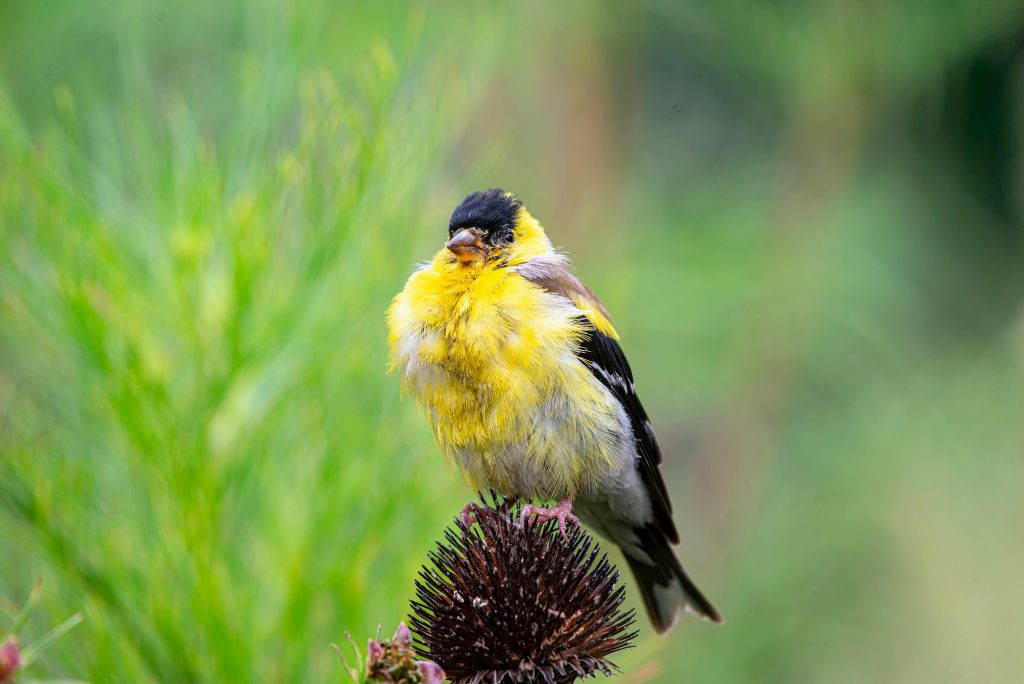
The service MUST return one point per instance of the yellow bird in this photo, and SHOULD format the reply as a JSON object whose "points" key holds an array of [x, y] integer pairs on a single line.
{"points": [[517, 365]]}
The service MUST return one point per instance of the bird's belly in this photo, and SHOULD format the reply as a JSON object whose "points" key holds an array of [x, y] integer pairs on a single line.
{"points": [[536, 424], [557, 450]]}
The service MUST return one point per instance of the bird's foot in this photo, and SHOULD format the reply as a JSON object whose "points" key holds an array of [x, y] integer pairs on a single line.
{"points": [[468, 514], [562, 512]]}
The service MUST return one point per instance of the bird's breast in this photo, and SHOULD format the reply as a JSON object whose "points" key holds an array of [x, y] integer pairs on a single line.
{"points": [[491, 358]]}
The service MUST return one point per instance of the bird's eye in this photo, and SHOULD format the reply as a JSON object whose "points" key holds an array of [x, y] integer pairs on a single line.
{"points": [[508, 237]]}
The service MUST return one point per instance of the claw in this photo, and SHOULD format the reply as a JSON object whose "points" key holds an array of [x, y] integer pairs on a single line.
{"points": [[468, 514], [562, 512]]}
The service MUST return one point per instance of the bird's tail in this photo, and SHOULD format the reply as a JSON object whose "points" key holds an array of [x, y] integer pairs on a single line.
{"points": [[666, 588]]}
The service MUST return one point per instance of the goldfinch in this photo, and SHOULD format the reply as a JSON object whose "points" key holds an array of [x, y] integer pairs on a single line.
{"points": [[518, 367]]}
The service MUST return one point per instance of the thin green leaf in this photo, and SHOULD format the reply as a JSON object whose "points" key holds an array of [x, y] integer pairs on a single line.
{"points": [[30, 652], [26, 610]]}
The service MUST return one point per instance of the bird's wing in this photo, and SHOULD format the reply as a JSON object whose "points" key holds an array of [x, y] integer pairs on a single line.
{"points": [[601, 354]]}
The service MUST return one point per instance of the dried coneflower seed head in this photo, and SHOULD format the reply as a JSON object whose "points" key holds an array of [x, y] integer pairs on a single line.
{"points": [[512, 602]]}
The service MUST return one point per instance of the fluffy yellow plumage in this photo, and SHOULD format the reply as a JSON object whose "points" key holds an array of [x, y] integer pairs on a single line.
{"points": [[526, 388]]}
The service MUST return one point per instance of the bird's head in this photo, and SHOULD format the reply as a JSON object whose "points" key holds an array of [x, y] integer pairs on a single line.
{"points": [[493, 228]]}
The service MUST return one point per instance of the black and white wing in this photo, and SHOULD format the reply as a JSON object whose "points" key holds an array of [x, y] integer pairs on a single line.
{"points": [[605, 359]]}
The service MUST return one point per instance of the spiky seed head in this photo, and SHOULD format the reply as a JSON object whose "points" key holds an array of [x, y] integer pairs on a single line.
{"points": [[511, 602]]}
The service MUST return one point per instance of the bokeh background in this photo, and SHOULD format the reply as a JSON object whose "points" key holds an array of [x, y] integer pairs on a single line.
{"points": [[806, 218]]}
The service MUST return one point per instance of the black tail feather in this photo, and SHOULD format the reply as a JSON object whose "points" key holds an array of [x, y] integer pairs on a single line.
{"points": [[664, 585]]}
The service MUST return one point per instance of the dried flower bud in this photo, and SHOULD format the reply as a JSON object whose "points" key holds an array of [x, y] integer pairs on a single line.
{"points": [[10, 660], [393, 661], [519, 603]]}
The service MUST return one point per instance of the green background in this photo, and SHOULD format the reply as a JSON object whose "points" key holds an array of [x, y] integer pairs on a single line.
{"points": [[805, 218]]}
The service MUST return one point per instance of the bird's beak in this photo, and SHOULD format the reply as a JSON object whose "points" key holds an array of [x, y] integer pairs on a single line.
{"points": [[468, 246]]}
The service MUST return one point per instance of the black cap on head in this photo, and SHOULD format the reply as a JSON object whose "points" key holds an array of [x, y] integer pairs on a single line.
{"points": [[491, 211]]}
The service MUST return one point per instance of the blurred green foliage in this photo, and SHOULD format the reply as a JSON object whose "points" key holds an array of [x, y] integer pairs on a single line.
{"points": [[804, 217]]}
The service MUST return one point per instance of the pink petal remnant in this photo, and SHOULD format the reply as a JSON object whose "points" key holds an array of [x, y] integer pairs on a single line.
{"points": [[10, 660], [403, 637], [374, 651], [431, 672]]}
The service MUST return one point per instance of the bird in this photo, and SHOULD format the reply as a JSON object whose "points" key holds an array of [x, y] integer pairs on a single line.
{"points": [[518, 367]]}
